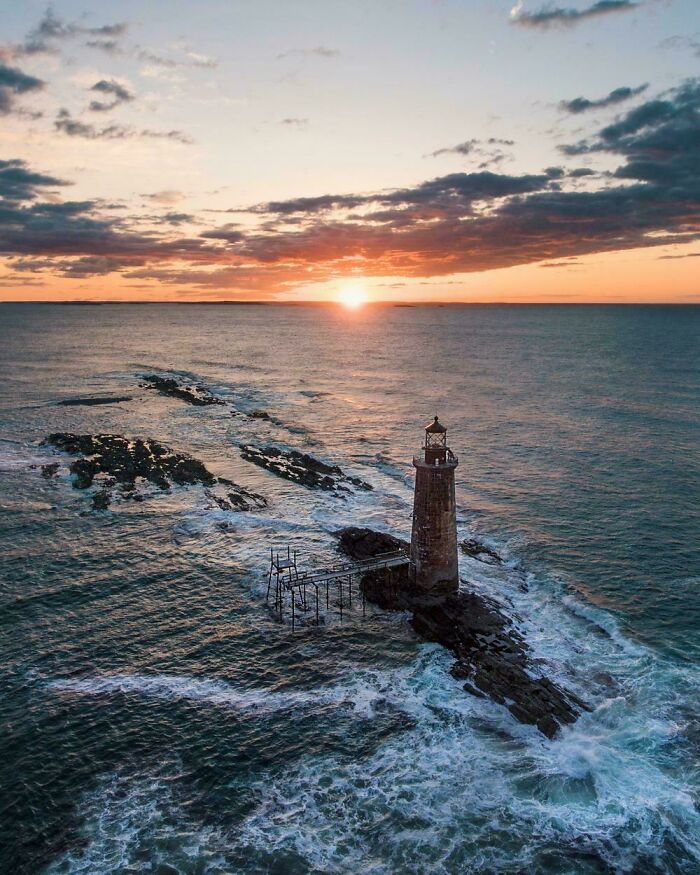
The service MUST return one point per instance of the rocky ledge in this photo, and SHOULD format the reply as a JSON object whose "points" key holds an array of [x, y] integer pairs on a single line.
{"points": [[197, 395], [477, 550], [94, 401], [302, 468], [109, 460], [493, 659]]}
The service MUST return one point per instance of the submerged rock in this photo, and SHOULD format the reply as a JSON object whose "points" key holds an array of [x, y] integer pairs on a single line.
{"points": [[480, 551], [302, 468], [238, 498], [492, 657], [124, 461], [92, 402], [102, 499], [197, 395]]}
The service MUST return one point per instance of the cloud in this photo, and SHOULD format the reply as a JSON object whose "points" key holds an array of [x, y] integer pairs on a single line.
{"points": [[294, 122], [51, 29], [487, 151], [451, 224], [618, 95], [167, 198], [18, 183], [72, 127], [682, 42], [13, 82], [317, 51], [558, 16], [117, 93], [191, 59]]}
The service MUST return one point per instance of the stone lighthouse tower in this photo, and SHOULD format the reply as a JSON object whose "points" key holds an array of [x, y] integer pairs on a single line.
{"points": [[434, 535]]}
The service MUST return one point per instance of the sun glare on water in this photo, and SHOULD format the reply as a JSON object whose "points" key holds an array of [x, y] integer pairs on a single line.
{"points": [[352, 297]]}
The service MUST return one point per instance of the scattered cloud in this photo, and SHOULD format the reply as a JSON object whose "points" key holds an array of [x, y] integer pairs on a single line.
{"points": [[166, 198], [456, 223], [13, 83], [317, 51], [51, 30], [114, 91], [190, 59], [72, 127], [558, 16], [487, 151], [618, 95]]}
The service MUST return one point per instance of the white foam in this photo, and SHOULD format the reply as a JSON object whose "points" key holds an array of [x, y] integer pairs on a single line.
{"points": [[359, 694]]}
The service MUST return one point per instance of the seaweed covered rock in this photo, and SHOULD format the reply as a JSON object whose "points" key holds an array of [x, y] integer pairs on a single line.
{"points": [[302, 468], [199, 396], [492, 657], [124, 461]]}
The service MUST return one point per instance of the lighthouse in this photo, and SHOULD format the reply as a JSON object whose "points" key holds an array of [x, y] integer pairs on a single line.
{"points": [[434, 535]]}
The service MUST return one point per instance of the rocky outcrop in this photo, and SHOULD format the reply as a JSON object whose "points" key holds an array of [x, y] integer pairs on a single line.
{"points": [[93, 402], [302, 469], [478, 550], [492, 657], [49, 470], [237, 497], [110, 460], [199, 396]]}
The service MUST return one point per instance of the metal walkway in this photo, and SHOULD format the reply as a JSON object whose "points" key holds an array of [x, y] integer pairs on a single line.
{"points": [[286, 578]]}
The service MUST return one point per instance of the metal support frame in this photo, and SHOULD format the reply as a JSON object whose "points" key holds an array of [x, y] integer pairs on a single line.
{"points": [[285, 577]]}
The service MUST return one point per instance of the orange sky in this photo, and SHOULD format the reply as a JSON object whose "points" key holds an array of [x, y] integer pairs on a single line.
{"points": [[455, 152]]}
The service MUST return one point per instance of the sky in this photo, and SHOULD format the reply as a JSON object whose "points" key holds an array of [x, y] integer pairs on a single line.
{"points": [[398, 150]]}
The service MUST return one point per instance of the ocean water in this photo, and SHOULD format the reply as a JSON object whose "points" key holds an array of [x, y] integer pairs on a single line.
{"points": [[155, 718]]}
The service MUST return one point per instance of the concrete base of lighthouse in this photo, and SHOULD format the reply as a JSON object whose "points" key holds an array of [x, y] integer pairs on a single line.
{"points": [[434, 534]]}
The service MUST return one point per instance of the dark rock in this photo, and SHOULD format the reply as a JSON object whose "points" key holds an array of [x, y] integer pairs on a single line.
{"points": [[238, 497], [101, 500], [49, 470], [196, 395], [480, 551], [468, 688], [477, 631], [125, 461], [301, 468], [260, 414], [93, 402]]}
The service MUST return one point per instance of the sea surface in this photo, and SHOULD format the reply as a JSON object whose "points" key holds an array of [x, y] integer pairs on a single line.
{"points": [[154, 717]]}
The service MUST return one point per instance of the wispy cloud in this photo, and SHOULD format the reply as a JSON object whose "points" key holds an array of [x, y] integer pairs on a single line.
{"points": [[487, 152], [317, 51], [559, 16], [51, 30], [114, 91], [618, 95], [72, 127]]}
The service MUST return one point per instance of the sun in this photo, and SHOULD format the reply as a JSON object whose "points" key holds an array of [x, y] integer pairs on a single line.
{"points": [[352, 297]]}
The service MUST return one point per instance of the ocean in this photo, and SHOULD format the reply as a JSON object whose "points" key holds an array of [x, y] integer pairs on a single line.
{"points": [[154, 717]]}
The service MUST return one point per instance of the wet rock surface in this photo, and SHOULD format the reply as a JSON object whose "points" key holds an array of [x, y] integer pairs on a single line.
{"points": [[477, 550], [94, 402], [492, 657], [302, 469], [50, 470], [237, 497], [199, 396], [117, 461]]}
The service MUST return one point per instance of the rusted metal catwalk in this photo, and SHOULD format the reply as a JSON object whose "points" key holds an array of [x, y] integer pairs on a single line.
{"points": [[286, 578]]}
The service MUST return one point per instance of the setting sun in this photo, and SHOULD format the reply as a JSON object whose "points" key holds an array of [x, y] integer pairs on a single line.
{"points": [[352, 297]]}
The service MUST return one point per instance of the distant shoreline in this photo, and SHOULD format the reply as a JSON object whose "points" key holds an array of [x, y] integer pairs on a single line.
{"points": [[368, 304]]}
